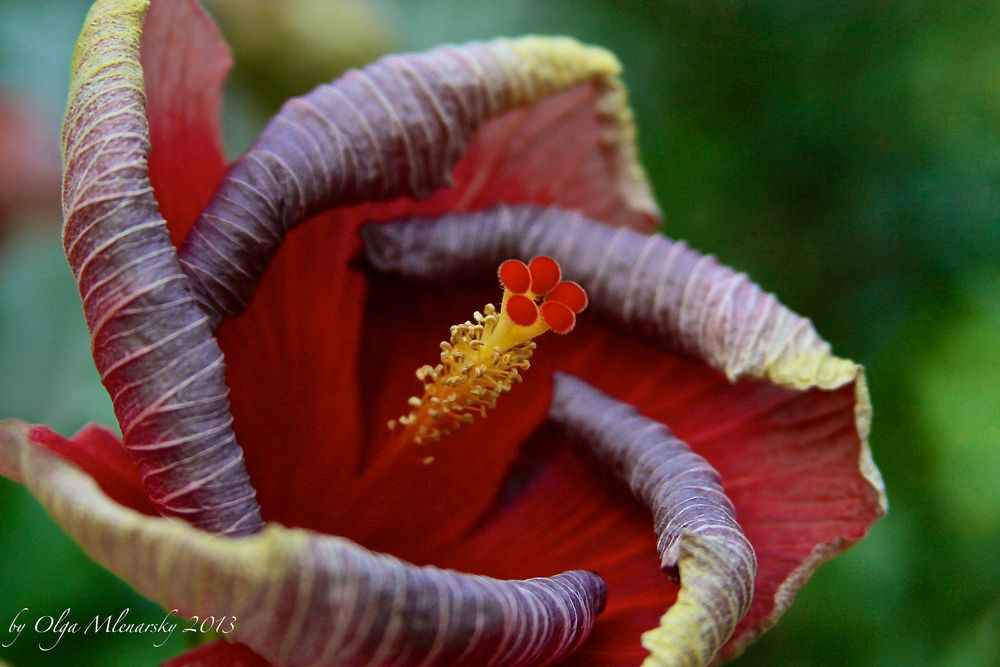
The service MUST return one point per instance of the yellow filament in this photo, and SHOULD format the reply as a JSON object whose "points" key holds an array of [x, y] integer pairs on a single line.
{"points": [[479, 362]]}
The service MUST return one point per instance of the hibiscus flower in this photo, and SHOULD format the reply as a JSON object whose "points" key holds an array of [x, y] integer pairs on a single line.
{"points": [[258, 328]]}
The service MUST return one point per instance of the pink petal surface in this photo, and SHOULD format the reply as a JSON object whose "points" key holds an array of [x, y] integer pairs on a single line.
{"points": [[184, 63]]}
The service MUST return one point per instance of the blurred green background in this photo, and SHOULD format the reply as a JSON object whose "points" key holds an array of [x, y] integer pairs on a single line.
{"points": [[845, 154]]}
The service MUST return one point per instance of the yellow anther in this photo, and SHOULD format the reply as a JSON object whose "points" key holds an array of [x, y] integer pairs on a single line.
{"points": [[485, 357]]}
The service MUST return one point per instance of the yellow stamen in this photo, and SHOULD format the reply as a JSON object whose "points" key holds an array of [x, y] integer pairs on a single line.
{"points": [[480, 361]]}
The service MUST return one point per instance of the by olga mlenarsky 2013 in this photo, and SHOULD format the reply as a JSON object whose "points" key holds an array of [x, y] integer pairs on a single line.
{"points": [[50, 629]]}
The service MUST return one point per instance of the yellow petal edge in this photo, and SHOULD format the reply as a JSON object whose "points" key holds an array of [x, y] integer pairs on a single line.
{"points": [[165, 559], [541, 66], [688, 634]]}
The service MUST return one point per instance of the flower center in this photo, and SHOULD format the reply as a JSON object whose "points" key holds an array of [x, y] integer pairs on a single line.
{"points": [[484, 359]]}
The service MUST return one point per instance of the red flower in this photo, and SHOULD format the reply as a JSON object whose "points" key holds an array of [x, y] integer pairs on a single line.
{"points": [[725, 413]]}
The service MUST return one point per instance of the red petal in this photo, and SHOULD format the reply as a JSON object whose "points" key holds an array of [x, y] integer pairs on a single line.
{"points": [[294, 361], [404, 505], [319, 363], [788, 459], [317, 366], [550, 152], [783, 455], [151, 343], [570, 294], [530, 170], [545, 273], [793, 461], [698, 537], [99, 453], [297, 357], [571, 512], [293, 371], [185, 61], [395, 151], [219, 653], [514, 275], [313, 388]]}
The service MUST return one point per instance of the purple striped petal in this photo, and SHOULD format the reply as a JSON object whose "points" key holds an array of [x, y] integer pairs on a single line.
{"points": [[152, 343], [395, 128], [300, 598], [671, 296], [652, 286], [695, 523]]}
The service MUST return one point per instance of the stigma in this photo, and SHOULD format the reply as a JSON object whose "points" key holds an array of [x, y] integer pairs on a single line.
{"points": [[484, 358]]}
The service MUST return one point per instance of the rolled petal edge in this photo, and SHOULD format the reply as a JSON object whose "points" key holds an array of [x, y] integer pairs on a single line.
{"points": [[698, 536], [300, 598], [662, 291], [395, 128], [152, 343], [654, 287]]}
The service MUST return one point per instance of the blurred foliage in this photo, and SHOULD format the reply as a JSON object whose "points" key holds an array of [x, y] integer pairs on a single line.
{"points": [[287, 48], [958, 385], [846, 154]]}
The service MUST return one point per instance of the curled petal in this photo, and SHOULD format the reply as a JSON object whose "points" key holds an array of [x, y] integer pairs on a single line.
{"points": [[657, 288], [152, 343], [300, 598], [679, 301], [652, 286], [394, 129], [695, 523]]}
